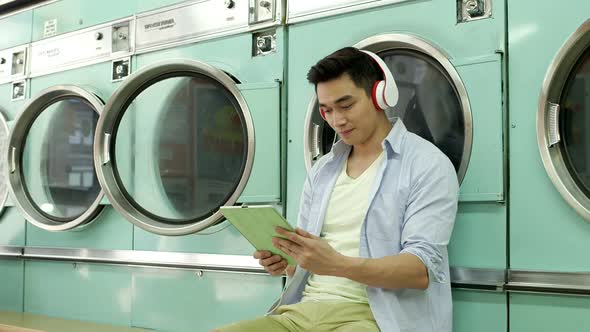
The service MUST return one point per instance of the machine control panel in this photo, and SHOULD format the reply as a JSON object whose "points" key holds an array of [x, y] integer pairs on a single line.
{"points": [[262, 11], [80, 48], [13, 64], [302, 10], [189, 22], [121, 41], [18, 63]]}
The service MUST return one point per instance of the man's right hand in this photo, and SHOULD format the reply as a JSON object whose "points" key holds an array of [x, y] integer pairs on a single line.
{"points": [[273, 264]]}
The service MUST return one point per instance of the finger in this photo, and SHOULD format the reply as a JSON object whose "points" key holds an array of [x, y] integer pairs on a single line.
{"points": [[278, 267], [281, 243], [286, 246], [282, 231], [293, 237], [261, 254], [269, 261], [304, 233]]}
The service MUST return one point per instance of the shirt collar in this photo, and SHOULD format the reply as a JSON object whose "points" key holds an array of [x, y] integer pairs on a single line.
{"points": [[391, 144]]}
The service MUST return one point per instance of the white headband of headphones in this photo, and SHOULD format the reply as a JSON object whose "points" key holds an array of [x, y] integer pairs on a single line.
{"points": [[385, 93]]}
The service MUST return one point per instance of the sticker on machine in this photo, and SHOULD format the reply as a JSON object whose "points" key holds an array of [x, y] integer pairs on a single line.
{"points": [[50, 28]]}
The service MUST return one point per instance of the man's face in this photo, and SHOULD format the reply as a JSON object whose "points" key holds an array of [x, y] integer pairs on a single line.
{"points": [[348, 110]]}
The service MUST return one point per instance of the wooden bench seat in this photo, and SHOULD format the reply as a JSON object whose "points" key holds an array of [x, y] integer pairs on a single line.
{"points": [[26, 322]]}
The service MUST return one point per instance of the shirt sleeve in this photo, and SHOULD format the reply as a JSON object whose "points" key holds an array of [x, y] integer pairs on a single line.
{"points": [[307, 196], [430, 214], [305, 204]]}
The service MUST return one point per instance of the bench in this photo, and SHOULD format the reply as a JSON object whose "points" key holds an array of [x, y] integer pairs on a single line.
{"points": [[26, 322]]}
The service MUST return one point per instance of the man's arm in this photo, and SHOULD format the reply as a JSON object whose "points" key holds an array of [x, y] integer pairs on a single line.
{"points": [[393, 272], [317, 256]]}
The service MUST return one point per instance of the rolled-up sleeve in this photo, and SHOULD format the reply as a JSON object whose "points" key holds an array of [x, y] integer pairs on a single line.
{"points": [[430, 213]]}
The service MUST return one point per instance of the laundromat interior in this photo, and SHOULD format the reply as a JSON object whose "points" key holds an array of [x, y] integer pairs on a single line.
{"points": [[125, 126]]}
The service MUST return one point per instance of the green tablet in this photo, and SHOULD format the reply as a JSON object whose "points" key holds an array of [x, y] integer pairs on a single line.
{"points": [[257, 224]]}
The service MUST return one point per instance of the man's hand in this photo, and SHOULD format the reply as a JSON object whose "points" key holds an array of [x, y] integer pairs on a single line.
{"points": [[273, 264], [309, 251]]}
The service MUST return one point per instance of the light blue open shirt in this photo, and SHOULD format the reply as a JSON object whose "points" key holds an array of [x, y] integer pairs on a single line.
{"points": [[412, 208]]}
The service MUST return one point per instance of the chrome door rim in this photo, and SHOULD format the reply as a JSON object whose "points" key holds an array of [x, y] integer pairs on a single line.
{"points": [[4, 197], [384, 42], [114, 111], [551, 91], [21, 128]]}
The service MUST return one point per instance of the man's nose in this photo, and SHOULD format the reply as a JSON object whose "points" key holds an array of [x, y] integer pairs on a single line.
{"points": [[339, 119]]}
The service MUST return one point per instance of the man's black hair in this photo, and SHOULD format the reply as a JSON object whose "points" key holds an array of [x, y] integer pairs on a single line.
{"points": [[361, 68]]}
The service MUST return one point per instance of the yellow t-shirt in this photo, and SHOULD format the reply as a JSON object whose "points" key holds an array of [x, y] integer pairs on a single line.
{"points": [[346, 211]]}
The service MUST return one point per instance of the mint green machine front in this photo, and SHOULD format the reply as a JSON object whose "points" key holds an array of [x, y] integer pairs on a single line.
{"points": [[12, 224], [208, 135], [447, 60], [549, 174]]}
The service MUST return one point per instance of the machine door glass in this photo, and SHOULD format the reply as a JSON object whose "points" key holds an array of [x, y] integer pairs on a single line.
{"points": [[563, 126], [574, 122], [190, 150], [52, 166], [432, 102], [4, 132]]}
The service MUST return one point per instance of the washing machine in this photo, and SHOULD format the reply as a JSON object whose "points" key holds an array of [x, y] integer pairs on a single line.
{"points": [[549, 184], [13, 53], [71, 73], [204, 108], [447, 60]]}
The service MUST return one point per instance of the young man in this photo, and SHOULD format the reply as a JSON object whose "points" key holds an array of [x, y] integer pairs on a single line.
{"points": [[375, 219]]}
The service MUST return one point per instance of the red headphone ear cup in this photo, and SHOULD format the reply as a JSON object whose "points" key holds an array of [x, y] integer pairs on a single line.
{"points": [[374, 96], [323, 114]]}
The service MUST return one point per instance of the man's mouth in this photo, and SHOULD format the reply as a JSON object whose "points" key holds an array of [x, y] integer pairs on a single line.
{"points": [[345, 133]]}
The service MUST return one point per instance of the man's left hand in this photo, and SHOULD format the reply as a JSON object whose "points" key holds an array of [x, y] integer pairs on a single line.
{"points": [[309, 251]]}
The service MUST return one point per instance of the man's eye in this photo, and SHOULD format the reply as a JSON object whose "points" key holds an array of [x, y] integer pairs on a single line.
{"points": [[347, 106]]}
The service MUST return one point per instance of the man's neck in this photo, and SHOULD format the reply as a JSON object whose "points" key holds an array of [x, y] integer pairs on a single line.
{"points": [[373, 146]]}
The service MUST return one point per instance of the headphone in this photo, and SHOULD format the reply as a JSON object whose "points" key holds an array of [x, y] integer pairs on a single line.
{"points": [[384, 93]]}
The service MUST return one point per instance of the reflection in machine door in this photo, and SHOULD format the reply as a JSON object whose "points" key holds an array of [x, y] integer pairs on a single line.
{"points": [[71, 185], [201, 153], [574, 123]]}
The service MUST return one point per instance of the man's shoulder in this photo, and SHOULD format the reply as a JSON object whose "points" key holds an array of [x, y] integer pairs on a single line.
{"points": [[424, 155], [416, 146]]}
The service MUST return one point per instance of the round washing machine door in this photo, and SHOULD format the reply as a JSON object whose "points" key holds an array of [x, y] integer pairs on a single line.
{"points": [[190, 152], [50, 158], [563, 121], [4, 135], [432, 102]]}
